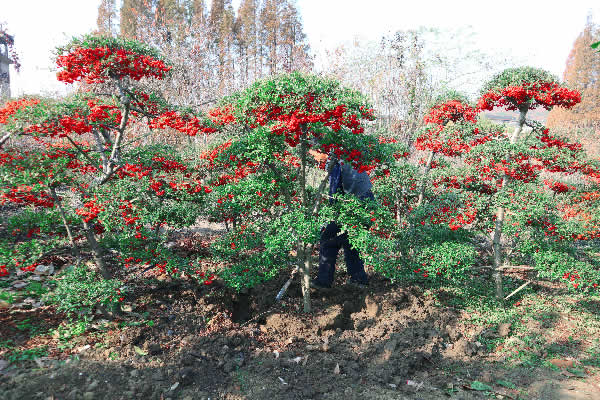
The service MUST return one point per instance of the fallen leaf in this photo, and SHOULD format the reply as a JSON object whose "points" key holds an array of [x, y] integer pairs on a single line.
{"points": [[282, 381], [557, 362], [140, 351], [276, 353], [295, 360], [480, 386], [175, 386], [336, 370], [506, 384]]}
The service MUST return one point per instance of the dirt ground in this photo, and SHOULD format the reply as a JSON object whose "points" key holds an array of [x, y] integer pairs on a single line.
{"points": [[205, 342]]}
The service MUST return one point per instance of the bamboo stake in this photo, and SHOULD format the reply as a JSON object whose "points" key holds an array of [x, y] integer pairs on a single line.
{"points": [[518, 290]]}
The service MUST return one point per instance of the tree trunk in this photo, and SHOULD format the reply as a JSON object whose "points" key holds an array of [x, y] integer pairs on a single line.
{"points": [[497, 238], [96, 251], [304, 262], [64, 220], [424, 180]]}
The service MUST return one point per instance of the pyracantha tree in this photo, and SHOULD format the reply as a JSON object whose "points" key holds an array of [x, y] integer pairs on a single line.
{"points": [[78, 155], [521, 89], [481, 170], [268, 183]]}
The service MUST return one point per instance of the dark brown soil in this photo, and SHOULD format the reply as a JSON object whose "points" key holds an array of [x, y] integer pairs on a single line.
{"points": [[386, 342]]}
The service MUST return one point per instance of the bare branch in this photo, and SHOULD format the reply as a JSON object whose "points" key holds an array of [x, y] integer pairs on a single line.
{"points": [[81, 151]]}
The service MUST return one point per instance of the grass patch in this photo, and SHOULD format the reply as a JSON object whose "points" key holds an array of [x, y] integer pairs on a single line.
{"points": [[543, 324]]}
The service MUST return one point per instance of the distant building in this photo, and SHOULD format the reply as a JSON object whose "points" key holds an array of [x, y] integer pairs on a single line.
{"points": [[5, 61]]}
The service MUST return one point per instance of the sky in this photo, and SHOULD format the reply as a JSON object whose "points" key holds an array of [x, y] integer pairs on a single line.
{"points": [[538, 32]]}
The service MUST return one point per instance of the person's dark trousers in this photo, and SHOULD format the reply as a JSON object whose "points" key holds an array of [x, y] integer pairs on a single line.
{"points": [[331, 243]]}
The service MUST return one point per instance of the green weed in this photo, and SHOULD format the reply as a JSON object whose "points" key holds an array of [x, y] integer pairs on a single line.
{"points": [[27, 355]]}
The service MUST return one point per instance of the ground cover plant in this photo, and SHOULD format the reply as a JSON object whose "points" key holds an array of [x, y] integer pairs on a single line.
{"points": [[160, 263]]}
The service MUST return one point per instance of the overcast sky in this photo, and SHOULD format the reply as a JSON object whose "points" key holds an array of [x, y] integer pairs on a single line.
{"points": [[541, 32]]}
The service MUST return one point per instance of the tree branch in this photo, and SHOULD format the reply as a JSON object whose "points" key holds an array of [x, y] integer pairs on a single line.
{"points": [[81, 151]]}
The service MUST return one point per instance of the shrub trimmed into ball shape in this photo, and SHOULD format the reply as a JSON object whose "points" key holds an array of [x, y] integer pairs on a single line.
{"points": [[517, 88], [95, 59]]}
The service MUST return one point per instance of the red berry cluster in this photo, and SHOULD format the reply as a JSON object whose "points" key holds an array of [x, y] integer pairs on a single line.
{"points": [[11, 107], [545, 94], [99, 64]]}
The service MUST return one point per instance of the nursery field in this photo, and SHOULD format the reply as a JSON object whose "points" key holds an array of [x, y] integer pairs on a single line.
{"points": [[151, 249]]}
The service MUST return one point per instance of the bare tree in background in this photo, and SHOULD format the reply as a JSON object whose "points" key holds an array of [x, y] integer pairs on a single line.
{"points": [[582, 72], [405, 72]]}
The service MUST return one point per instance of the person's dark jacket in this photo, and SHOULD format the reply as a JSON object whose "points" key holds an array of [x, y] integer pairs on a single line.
{"points": [[345, 178]]}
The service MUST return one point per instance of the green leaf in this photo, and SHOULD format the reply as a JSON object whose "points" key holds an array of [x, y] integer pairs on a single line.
{"points": [[476, 385], [140, 351], [595, 45], [506, 384], [577, 372]]}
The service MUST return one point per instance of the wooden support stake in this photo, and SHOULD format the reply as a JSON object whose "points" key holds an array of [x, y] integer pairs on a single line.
{"points": [[518, 290]]}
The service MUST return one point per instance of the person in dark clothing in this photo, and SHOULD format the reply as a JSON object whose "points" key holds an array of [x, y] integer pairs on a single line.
{"points": [[345, 179]]}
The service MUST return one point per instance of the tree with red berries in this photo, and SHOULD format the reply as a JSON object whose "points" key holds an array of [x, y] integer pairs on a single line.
{"points": [[79, 154], [450, 124], [267, 184], [521, 89]]}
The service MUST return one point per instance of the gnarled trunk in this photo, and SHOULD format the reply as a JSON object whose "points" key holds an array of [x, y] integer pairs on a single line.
{"points": [[304, 262], [96, 251], [497, 238], [424, 180]]}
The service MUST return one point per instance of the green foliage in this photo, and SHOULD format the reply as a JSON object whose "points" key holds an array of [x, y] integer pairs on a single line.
{"points": [[79, 290], [448, 95], [445, 260], [480, 386], [70, 330], [25, 253], [17, 356], [36, 289], [516, 77], [556, 264], [7, 296], [290, 92]]}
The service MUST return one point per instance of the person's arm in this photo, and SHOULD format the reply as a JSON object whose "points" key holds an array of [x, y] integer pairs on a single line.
{"points": [[318, 156]]}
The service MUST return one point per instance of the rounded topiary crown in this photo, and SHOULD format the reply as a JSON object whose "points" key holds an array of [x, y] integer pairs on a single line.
{"points": [[526, 88], [95, 59], [518, 77]]}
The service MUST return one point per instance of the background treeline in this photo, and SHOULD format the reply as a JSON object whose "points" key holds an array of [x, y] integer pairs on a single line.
{"points": [[582, 72], [216, 49]]}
